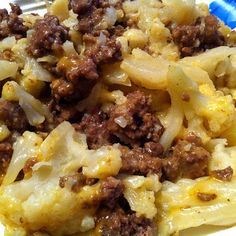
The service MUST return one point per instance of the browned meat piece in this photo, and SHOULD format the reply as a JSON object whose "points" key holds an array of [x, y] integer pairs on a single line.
{"points": [[188, 160], [48, 36], [141, 123], [111, 190], [202, 35], [64, 90], [11, 24], [7, 55], [74, 68], [118, 222], [13, 116], [90, 22], [94, 125], [224, 174], [3, 14], [77, 71], [105, 53], [91, 14], [212, 37], [6, 151], [75, 182], [15, 9], [29, 164], [154, 149], [81, 6], [138, 161], [80, 74], [62, 113], [206, 197]]}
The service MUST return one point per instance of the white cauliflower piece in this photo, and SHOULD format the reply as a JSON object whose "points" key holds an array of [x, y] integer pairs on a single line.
{"points": [[25, 147], [38, 201], [178, 202], [202, 101], [35, 111], [8, 69], [222, 156], [140, 190]]}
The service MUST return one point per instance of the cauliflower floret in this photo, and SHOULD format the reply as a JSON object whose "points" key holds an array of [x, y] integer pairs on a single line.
{"points": [[219, 109], [222, 156], [140, 189], [203, 101], [38, 201], [35, 110]]}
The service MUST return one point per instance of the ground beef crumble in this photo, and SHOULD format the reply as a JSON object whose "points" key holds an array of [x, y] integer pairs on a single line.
{"points": [[11, 24], [79, 74], [189, 159], [142, 125], [47, 37], [94, 125], [223, 174], [138, 161], [6, 151], [119, 222], [91, 14], [75, 182], [29, 164], [111, 190], [13, 116], [198, 37], [206, 197]]}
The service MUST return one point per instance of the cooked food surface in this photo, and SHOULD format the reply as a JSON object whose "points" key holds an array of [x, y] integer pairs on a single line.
{"points": [[116, 118], [202, 35]]}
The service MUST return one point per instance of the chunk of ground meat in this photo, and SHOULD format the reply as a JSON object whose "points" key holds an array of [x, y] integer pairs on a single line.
{"points": [[75, 182], [142, 125], [80, 7], [79, 74], [154, 149], [103, 53], [11, 23], [224, 174], [94, 125], [188, 160], [15, 9], [64, 112], [13, 116], [74, 68], [7, 55], [90, 14], [47, 37], [111, 190], [206, 197], [138, 161], [118, 222], [64, 90], [100, 47], [27, 169], [6, 151], [201, 35]]}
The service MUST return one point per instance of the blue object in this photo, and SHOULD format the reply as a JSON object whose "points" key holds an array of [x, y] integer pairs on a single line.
{"points": [[225, 10]]}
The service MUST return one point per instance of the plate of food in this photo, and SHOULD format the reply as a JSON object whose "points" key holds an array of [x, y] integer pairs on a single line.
{"points": [[117, 117]]}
